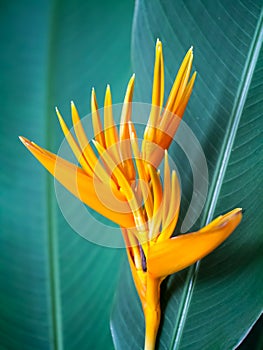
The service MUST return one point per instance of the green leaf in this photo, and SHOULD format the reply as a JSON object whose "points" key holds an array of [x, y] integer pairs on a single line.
{"points": [[254, 340], [213, 304], [56, 288]]}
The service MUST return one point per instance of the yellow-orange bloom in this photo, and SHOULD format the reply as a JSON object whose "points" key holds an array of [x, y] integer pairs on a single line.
{"points": [[121, 181]]}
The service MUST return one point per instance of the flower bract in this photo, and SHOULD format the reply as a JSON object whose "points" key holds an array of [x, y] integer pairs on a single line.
{"points": [[119, 178]]}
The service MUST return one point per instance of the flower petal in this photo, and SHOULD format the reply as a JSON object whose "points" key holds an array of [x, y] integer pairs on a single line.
{"points": [[170, 221], [179, 252], [126, 110], [157, 203], [166, 188], [124, 134], [126, 189], [73, 144], [178, 86], [158, 78], [143, 181], [84, 187], [183, 84], [110, 129], [157, 94], [85, 146], [139, 276], [186, 96], [78, 128], [96, 122]]}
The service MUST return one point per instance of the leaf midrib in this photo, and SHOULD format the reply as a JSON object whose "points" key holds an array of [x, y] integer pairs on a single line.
{"points": [[219, 174], [52, 245]]}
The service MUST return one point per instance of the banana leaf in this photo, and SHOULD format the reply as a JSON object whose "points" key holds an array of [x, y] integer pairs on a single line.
{"points": [[213, 304], [56, 288]]}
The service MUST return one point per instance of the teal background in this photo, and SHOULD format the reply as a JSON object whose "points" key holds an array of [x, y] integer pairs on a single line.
{"points": [[56, 289]]}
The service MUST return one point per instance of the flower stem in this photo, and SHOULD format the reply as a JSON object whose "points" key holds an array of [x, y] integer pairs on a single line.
{"points": [[152, 312]]}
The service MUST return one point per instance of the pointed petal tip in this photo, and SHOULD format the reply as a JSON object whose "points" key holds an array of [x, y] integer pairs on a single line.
{"points": [[93, 95], [190, 54], [238, 211], [130, 84], [29, 144], [24, 140], [234, 212], [57, 112], [158, 45], [108, 97], [74, 110], [108, 93], [234, 216]]}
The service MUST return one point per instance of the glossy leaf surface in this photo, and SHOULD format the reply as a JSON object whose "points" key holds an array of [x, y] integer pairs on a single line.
{"points": [[213, 304]]}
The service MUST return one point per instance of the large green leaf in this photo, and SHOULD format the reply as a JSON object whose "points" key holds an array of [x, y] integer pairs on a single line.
{"points": [[55, 287], [213, 304]]}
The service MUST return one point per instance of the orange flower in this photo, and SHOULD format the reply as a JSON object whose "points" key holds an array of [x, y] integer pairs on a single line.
{"points": [[146, 208]]}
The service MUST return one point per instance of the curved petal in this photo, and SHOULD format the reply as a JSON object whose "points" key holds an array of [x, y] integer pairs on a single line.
{"points": [[179, 252], [89, 190]]}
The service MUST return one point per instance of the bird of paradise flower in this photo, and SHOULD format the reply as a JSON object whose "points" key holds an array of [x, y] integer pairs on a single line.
{"points": [[145, 207]]}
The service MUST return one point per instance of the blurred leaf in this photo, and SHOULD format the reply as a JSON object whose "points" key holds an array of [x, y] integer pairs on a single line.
{"points": [[55, 288], [211, 305]]}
